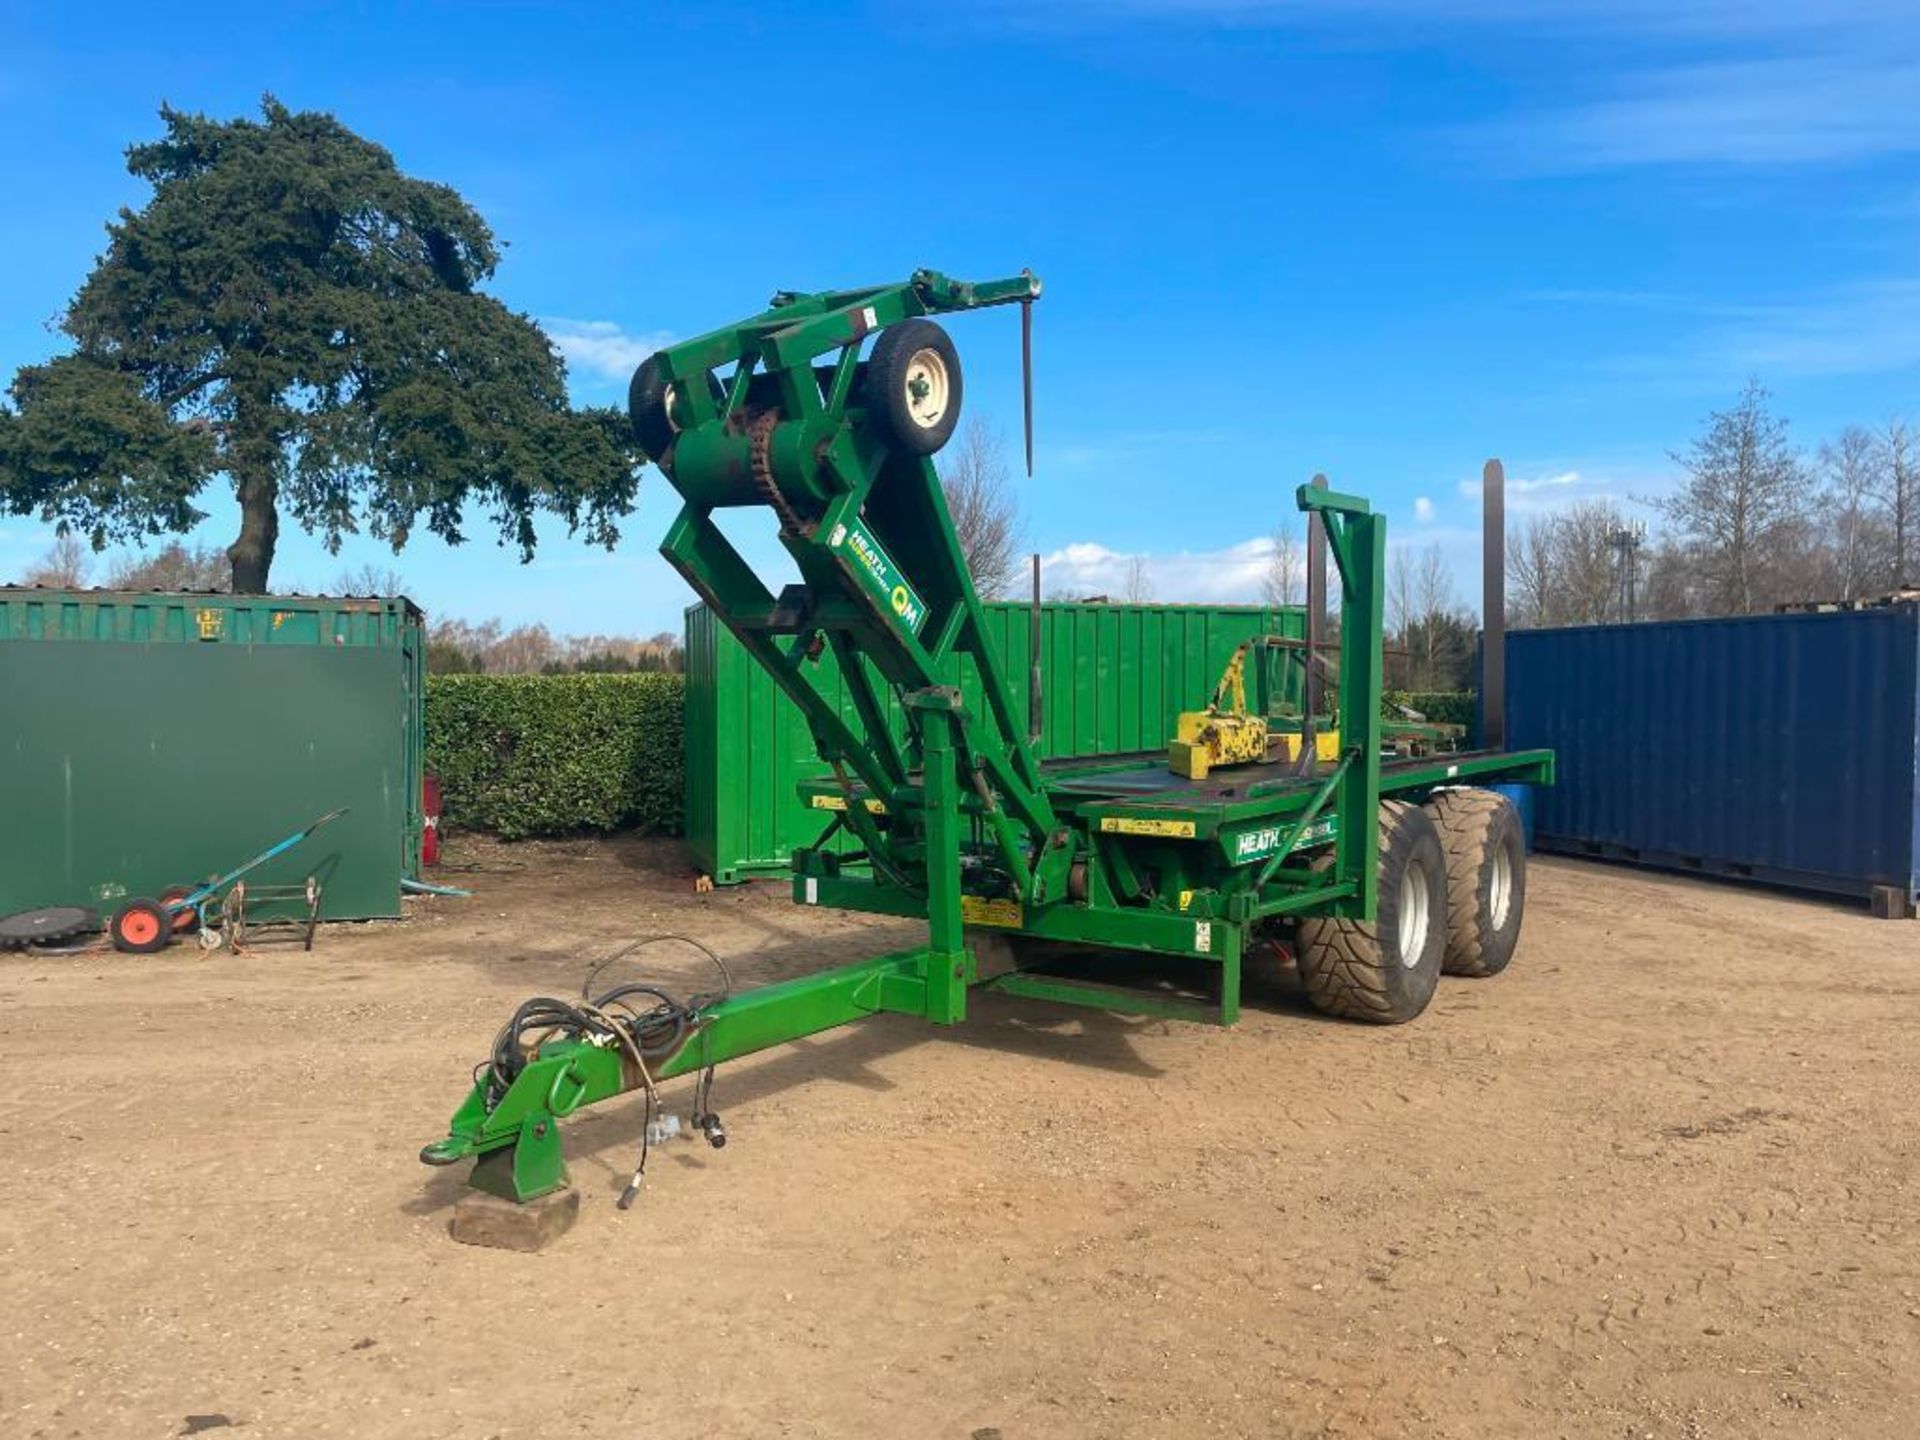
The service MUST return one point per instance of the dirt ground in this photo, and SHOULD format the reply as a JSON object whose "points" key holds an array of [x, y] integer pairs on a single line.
{"points": [[1657, 1180]]}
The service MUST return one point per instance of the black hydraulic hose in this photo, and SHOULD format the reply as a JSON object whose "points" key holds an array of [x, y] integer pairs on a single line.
{"points": [[654, 1032]]}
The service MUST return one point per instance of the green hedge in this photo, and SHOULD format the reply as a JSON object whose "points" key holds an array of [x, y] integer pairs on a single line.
{"points": [[1442, 707], [524, 755]]}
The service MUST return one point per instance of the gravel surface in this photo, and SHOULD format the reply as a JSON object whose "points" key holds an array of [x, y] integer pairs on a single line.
{"points": [[1658, 1179]]}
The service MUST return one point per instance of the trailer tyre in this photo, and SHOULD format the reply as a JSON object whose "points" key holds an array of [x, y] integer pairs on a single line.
{"points": [[1486, 879], [647, 409], [1385, 972], [141, 927], [650, 408], [913, 387]]}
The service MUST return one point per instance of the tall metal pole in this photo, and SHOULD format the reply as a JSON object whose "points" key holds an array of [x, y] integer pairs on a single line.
{"points": [[1026, 373], [1035, 713], [1493, 606], [1626, 550], [1311, 696]]}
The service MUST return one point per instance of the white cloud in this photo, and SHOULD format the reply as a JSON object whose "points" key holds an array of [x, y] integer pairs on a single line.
{"points": [[1869, 326], [1517, 485], [600, 348], [1768, 110], [1866, 328], [1791, 82], [1423, 510], [1556, 489], [1227, 576], [1407, 18]]}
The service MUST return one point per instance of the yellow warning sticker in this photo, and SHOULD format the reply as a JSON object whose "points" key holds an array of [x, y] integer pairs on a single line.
{"points": [[978, 910], [1134, 825], [839, 802]]}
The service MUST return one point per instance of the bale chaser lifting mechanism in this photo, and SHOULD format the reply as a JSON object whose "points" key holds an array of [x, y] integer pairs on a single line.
{"points": [[1374, 873]]}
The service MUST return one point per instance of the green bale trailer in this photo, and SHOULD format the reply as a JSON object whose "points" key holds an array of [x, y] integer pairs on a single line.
{"points": [[1375, 872]]}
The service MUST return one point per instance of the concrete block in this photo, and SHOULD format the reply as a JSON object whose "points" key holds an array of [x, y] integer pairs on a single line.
{"points": [[483, 1219], [1890, 902]]}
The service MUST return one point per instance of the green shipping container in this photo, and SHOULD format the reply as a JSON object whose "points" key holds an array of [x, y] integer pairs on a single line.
{"points": [[150, 739], [1112, 679]]}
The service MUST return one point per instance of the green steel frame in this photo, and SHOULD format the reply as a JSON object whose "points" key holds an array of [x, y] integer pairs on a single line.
{"points": [[958, 824]]}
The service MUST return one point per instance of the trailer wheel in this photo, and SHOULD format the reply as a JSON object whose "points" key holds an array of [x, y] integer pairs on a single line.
{"points": [[650, 406], [1385, 972], [647, 409], [1486, 879], [185, 922], [913, 385], [141, 927]]}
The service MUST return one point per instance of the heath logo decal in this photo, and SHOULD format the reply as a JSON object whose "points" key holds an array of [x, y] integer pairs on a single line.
{"points": [[872, 563], [1258, 844]]}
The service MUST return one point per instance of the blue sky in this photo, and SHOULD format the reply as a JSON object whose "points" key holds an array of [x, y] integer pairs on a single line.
{"points": [[1384, 238]]}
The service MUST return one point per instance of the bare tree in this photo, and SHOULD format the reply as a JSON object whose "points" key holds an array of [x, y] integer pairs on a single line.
{"points": [[1136, 587], [1435, 633], [1745, 489], [1400, 603], [1439, 644], [464, 647], [1899, 494], [1286, 575], [1532, 578], [1564, 567], [523, 650], [174, 566], [1432, 583], [369, 579], [1854, 466], [65, 566], [986, 516]]}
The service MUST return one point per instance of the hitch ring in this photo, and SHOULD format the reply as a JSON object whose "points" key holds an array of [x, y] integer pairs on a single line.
{"points": [[560, 1077]]}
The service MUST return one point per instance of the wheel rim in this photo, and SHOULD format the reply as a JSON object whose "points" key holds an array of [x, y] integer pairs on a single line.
{"points": [[1415, 914], [928, 388], [1500, 889], [139, 928]]}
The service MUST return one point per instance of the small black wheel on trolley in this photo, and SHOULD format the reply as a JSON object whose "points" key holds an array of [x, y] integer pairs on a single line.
{"points": [[912, 385]]}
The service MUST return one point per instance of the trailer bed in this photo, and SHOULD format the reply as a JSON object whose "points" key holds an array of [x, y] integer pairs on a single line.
{"points": [[1144, 786]]}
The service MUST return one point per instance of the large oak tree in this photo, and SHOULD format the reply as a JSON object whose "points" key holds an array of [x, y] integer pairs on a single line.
{"points": [[291, 314]]}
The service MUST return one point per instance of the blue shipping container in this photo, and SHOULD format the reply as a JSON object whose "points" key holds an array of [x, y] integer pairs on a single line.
{"points": [[1776, 748]]}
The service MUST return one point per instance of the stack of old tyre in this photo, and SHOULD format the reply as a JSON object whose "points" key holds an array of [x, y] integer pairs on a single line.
{"points": [[1453, 882]]}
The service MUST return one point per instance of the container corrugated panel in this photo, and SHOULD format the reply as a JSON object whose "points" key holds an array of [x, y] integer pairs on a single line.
{"points": [[1776, 748], [1112, 679], [151, 739]]}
